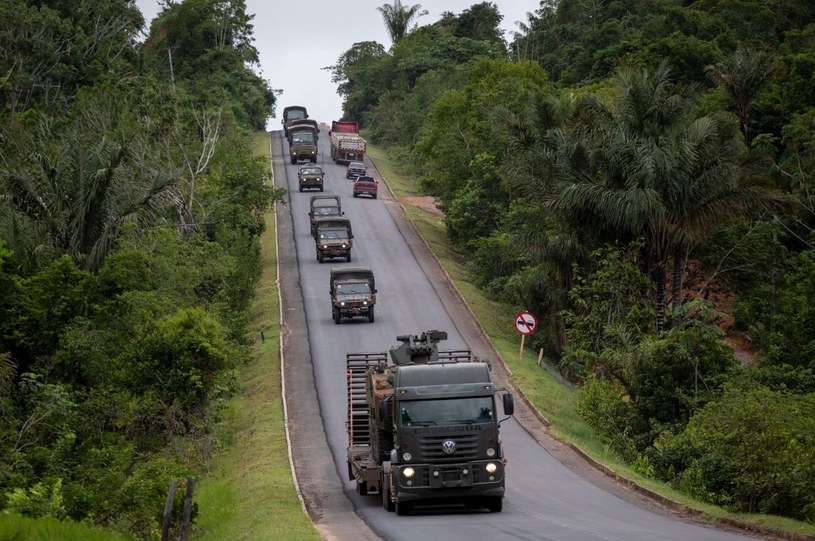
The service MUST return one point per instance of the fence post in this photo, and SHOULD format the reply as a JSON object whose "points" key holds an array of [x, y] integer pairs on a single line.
{"points": [[168, 511], [185, 523]]}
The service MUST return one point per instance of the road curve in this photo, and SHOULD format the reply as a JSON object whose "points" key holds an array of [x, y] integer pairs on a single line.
{"points": [[552, 493]]}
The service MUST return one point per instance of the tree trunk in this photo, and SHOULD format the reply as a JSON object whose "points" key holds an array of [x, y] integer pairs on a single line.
{"points": [[662, 279], [676, 285]]}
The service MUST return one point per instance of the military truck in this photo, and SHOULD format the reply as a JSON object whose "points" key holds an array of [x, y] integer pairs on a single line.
{"points": [[323, 206], [424, 429], [334, 238], [307, 124], [347, 147], [290, 114], [353, 293], [310, 176], [303, 146]]}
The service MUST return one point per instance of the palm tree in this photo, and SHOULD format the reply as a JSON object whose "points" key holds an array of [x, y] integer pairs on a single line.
{"points": [[78, 196], [742, 75], [652, 170], [398, 18]]}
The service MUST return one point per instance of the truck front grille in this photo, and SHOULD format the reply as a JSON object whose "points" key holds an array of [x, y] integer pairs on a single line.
{"points": [[430, 448]]}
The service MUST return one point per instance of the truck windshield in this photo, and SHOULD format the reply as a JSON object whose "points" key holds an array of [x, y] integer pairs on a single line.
{"points": [[449, 411], [333, 234], [302, 138], [326, 211], [295, 114], [353, 288]]}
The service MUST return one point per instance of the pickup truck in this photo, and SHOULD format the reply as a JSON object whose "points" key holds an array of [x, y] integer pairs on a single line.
{"points": [[365, 185]]}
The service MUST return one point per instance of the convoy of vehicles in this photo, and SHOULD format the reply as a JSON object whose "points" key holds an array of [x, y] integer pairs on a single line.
{"points": [[310, 176], [333, 238], [353, 293], [424, 429], [365, 185]]}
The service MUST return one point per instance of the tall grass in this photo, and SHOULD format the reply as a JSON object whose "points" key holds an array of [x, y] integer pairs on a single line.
{"points": [[13, 527], [250, 492]]}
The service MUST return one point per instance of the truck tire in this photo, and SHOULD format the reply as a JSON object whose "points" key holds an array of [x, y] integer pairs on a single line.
{"points": [[362, 488], [337, 316], [293, 161], [320, 256], [348, 256], [314, 160], [301, 189], [371, 314], [495, 504]]}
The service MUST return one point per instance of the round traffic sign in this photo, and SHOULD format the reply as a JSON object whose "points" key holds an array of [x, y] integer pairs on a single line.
{"points": [[525, 323]]}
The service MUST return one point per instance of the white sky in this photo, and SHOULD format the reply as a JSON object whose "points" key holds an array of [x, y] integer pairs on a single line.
{"points": [[323, 30]]}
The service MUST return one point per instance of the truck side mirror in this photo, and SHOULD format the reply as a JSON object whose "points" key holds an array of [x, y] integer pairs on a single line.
{"points": [[509, 404]]}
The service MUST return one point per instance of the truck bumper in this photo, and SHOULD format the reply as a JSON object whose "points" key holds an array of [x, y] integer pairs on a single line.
{"points": [[449, 482]]}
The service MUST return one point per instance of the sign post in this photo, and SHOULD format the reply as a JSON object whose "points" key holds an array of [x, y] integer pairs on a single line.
{"points": [[525, 323]]}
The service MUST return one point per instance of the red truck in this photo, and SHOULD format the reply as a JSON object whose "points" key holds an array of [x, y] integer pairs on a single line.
{"points": [[344, 126]]}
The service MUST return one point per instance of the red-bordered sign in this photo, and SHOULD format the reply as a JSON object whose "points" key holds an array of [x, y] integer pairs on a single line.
{"points": [[525, 323]]}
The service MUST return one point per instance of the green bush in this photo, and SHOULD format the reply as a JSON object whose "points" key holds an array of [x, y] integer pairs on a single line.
{"points": [[752, 450]]}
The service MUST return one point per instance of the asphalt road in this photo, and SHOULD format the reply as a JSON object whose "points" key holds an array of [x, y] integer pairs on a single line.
{"points": [[552, 494]]}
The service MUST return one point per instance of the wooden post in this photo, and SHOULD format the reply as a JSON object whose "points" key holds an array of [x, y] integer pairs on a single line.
{"points": [[185, 523], [521, 352], [168, 511], [540, 357]]}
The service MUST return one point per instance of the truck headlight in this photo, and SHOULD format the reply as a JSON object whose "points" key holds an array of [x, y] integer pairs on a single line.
{"points": [[325, 246], [408, 472], [364, 303], [344, 246], [490, 452], [491, 467], [342, 303]]}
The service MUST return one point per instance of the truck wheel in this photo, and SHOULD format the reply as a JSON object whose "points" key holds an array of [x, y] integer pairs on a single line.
{"points": [[350, 472], [374, 196], [321, 187], [348, 256], [371, 314], [314, 160], [495, 504], [293, 161], [301, 189], [320, 256], [403, 508], [337, 316]]}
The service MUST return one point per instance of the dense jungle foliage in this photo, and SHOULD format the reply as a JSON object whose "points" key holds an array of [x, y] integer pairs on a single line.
{"points": [[640, 176], [130, 208]]}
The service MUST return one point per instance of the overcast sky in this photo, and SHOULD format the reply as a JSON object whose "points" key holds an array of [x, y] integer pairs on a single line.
{"points": [[296, 40]]}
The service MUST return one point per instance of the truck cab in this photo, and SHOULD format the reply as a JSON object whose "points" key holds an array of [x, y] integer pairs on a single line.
{"points": [[353, 293], [333, 238], [323, 206]]}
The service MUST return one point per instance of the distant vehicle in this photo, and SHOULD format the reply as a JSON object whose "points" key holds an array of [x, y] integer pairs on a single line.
{"points": [[347, 147], [344, 126], [307, 124], [310, 176], [334, 238], [323, 206], [291, 114], [303, 146], [353, 293], [355, 169], [365, 185]]}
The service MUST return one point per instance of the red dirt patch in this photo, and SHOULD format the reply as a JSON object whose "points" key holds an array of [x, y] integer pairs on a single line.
{"points": [[426, 203]]}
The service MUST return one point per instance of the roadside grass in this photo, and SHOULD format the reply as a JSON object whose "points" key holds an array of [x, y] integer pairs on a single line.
{"points": [[14, 527], [250, 492], [554, 400]]}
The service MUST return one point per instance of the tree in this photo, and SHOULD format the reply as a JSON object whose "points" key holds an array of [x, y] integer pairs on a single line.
{"points": [[398, 18], [742, 75]]}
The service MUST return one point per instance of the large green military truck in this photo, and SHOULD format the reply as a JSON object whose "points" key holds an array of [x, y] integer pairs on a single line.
{"points": [[303, 145], [303, 124], [333, 238], [291, 114], [323, 206], [353, 293], [424, 429]]}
